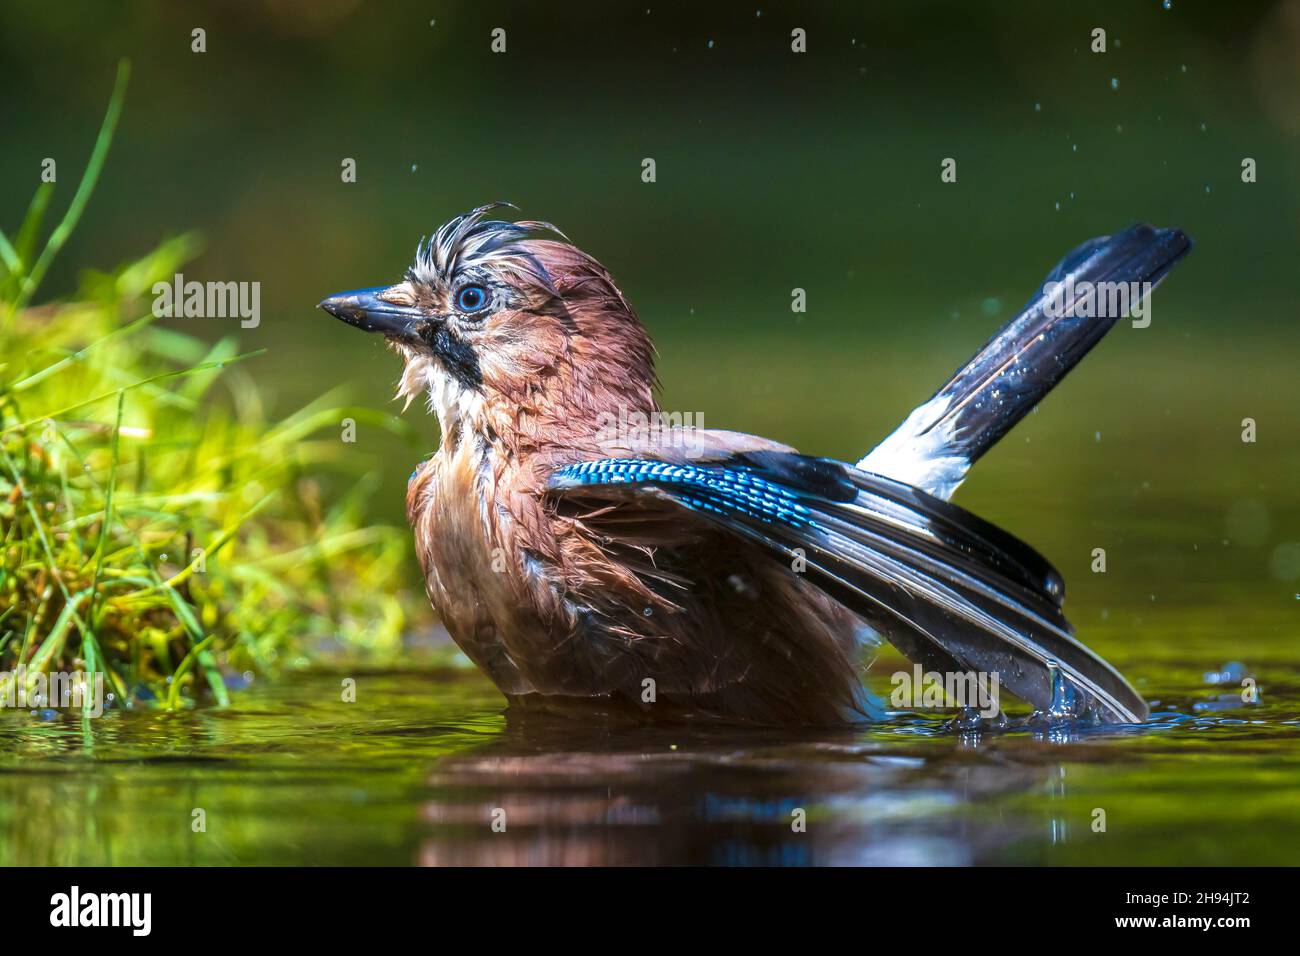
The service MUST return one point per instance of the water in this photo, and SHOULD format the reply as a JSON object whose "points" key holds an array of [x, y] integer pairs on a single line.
{"points": [[412, 772]]}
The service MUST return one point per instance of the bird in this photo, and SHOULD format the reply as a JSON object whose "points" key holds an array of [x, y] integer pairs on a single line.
{"points": [[582, 548]]}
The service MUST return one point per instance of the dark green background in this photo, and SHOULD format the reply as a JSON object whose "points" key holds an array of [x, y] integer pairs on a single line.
{"points": [[775, 171]]}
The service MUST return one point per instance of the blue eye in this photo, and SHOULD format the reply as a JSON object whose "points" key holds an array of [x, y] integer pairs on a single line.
{"points": [[471, 298]]}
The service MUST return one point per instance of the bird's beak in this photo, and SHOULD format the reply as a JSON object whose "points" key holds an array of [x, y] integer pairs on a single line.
{"points": [[367, 311]]}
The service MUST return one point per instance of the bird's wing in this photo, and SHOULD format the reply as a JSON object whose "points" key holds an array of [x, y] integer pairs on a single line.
{"points": [[935, 447], [950, 590]]}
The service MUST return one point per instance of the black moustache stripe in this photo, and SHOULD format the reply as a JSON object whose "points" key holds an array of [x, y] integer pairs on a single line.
{"points": [[459, 358]]}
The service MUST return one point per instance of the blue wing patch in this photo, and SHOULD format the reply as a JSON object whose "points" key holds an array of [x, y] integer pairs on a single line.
{"points": [[722, 491]]}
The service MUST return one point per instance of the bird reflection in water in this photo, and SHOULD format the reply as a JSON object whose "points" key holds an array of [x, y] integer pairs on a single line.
{"points": [[603, 792]]}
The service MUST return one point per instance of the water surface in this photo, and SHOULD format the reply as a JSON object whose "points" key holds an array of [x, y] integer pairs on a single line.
{"points": [[414, 771]]}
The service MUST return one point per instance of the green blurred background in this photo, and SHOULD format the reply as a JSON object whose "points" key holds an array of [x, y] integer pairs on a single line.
{"points": [[775, 170]]}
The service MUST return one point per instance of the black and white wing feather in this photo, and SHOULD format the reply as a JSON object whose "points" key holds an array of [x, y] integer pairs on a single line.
{"points": [[950, 590], [1077, 304]]}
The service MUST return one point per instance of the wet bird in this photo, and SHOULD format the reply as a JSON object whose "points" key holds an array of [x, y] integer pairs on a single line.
{"points": [[581, 547]]}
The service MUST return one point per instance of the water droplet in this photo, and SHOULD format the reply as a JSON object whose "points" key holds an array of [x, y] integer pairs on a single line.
{"points": [[1064, 700], [1038, 107], [970, 719], [1167, 4], [710, 44], [1230, 673], [1114, 83], [414, 167]]}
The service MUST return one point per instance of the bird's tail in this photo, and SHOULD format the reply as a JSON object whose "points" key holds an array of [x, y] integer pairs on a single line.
{"points": [[1098, 283]]}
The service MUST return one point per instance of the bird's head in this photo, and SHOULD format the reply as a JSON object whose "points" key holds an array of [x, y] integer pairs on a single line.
{"points": [[508, 331]]}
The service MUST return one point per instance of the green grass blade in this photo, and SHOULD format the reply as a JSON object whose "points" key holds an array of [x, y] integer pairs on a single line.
{"points": [[37, 377], [9, 254], [31, 282], [161, 377], [25, 240], [105, 529]]}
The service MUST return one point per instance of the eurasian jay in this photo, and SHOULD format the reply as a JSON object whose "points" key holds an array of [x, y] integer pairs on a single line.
{"points": [[693, 572]]}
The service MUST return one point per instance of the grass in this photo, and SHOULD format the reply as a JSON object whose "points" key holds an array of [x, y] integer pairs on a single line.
{"points": [[155, 524]]}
